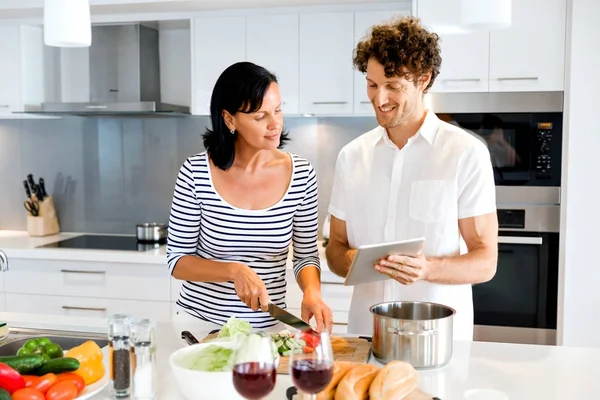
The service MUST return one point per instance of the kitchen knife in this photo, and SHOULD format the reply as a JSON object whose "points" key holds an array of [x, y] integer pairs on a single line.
{"points": [[290, 319], [189, 338], [33, 186], [42, 189], [27, 191]]}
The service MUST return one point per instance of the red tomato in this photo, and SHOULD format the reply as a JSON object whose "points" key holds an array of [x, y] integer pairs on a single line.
{"points": [[10, 379], [72, 377], [43, 383], [29, 379], [62, 390], [307, 349], [28, 394]]}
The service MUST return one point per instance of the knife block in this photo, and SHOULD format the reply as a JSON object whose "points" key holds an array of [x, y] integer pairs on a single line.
{"points": [[46, 222]]}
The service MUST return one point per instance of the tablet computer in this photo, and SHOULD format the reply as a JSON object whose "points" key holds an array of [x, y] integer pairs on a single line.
{"points": [[361, 269]]}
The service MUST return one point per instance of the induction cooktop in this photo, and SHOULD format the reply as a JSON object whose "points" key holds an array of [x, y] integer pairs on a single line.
{"points": [[104, 242]]}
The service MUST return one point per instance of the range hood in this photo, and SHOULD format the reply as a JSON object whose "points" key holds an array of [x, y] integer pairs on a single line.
{"points": [[121, 71]]}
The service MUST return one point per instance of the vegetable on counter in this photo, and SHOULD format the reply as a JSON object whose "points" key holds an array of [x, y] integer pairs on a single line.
{"points": [[4, 395], [58, 365], [24, 364], [234, 327], [42, 346], [90, 357], [212, 358], [10, 379]]}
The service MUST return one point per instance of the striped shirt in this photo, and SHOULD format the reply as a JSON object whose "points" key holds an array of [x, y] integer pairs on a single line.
{"points": [[203, 224]]}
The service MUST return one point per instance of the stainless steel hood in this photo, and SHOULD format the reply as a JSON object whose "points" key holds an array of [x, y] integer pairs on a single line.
{"points": [[124, 76]]}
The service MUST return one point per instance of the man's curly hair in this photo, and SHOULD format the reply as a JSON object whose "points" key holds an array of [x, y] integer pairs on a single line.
{"points": [[405, 49]]}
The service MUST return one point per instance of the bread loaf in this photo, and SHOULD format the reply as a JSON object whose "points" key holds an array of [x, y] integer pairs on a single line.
{"points": [[355, 383], [394, 381], [340, 368]]}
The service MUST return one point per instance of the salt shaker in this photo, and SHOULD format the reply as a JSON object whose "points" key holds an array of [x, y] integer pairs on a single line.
{"points": [[143, 342], [119, 333]]}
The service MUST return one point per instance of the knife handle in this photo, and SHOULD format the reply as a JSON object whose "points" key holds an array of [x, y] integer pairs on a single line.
{"points": [[188, 337]]}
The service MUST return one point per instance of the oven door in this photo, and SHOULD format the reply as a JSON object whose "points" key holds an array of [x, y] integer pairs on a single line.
{"points": [[519, 303]]}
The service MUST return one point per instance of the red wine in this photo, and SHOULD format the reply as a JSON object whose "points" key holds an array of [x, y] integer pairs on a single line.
{"points": [[312, 376], [254, 380]]}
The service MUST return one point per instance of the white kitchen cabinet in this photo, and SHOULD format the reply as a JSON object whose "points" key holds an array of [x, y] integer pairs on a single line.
{"points": [[67, 306], [216, 44], [272, 42], [326, 73], [88, 279], [363, 21], [21, 68], [465, 63], [530, 55]]}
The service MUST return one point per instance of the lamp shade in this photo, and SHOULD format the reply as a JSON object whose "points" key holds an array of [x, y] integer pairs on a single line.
{"points": [[67, 23], [479, 15]]}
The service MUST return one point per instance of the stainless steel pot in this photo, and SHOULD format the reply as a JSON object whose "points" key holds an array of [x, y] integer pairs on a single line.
{"points": [[151, 232], [418, 333]]}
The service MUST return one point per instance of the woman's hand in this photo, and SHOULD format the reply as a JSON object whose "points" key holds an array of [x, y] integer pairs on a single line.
{"points": [[250, 288], [314, 306]]}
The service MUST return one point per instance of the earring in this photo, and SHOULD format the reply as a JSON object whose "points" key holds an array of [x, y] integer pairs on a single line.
{"points": [[232, 131]]}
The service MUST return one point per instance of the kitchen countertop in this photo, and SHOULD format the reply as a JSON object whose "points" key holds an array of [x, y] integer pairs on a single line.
{"points": [[18, 244], [522, 372]]}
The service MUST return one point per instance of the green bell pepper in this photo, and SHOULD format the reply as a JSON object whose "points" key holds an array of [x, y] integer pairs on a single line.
{"points": [[42, 346]]}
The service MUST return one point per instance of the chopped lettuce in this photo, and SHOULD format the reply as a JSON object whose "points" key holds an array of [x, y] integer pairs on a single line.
{"points": [[212, 358], [235, 327]]}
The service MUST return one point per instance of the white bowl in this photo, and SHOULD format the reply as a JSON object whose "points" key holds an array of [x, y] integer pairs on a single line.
{"points": [[203, 385]]}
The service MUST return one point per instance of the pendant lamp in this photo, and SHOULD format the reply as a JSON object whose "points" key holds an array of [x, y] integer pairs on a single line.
{"points": [[67, 23], [447, 17], [479, 15]]}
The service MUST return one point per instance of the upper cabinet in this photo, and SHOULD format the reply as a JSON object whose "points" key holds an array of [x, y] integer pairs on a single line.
{"points": [[530, 56], [22, 67], [272, 42], [326, 74], [465, 60], [216, 44]]}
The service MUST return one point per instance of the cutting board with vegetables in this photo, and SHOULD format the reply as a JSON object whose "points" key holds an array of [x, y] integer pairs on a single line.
{"points": [[344, 349]]}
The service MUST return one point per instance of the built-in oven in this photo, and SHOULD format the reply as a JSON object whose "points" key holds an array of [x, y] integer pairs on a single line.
{"points": [[520, 303], [523, 133]]}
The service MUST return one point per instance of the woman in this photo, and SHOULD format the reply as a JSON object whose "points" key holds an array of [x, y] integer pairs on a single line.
{"points": [[238, 206]]}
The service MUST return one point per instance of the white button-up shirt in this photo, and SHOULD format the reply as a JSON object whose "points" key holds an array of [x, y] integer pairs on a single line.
{"points": [[384, 194]]}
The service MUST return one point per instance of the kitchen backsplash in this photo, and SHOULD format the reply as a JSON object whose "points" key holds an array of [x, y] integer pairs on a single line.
{"points": [[108, 174]]}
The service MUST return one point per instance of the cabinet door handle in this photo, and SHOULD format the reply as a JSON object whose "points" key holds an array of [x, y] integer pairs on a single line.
{"points": [[463, 80], [4, 106], [365, 102], [77, 271], [84, 308], [329, 102], [519, 78], [3, 261]]}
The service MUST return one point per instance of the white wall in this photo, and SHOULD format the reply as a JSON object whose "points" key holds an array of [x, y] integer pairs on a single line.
{"points": [[579, 292]]}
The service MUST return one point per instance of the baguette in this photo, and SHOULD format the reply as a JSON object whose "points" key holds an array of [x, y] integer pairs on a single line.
{"points": [[355, 384], [395, 381], [340, 368]]}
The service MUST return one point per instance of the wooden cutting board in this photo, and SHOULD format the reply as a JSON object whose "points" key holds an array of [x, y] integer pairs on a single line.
{"points": [[344, 349]]}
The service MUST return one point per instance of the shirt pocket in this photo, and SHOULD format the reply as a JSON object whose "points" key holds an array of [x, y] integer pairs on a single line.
{"points": [[429, 200]]}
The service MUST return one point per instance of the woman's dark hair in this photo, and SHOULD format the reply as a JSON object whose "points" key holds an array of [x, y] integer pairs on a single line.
{"points": [[240, 88]]}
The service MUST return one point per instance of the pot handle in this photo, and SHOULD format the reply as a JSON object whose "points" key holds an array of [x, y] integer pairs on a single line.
{"points": [[424, 332]]}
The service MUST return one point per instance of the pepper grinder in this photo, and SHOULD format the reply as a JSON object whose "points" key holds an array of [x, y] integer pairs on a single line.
{"points": [[143, 342], [119, 332]]}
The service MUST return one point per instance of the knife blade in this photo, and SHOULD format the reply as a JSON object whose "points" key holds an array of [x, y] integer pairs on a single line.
{"points": [[290, 319]]}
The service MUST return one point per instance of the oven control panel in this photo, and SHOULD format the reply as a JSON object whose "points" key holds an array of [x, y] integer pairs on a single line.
{"points": [[543, 164]]}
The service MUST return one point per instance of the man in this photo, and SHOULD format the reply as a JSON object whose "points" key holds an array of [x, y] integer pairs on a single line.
{"points": [[412, 176]]}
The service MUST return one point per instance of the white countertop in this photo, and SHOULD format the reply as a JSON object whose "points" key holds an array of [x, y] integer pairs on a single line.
{"points": [[522, 372], [18, 244]]}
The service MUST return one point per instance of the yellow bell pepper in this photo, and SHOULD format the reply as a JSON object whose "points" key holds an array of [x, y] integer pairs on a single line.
{"points": [[90, 358]]}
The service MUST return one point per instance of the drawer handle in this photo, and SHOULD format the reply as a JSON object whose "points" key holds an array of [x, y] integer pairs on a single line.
{"points": [[462, 80], [78, 271], [84, 308], [329, 102], [365, 102], [519, 78]]}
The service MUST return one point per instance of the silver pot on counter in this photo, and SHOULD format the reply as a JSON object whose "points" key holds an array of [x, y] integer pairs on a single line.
{"points": [[151, 232], [418, 333]]}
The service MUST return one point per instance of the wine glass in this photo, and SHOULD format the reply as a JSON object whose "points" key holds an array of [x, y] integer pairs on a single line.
{"points": [[312, 371], [254, 369]]}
